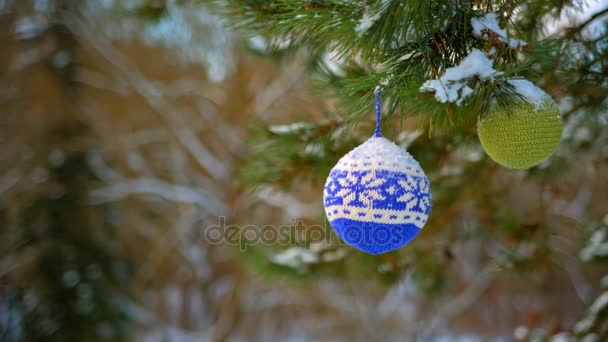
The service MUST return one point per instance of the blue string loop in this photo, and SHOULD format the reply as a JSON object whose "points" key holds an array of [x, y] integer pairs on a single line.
{"points": [[377, 133]]}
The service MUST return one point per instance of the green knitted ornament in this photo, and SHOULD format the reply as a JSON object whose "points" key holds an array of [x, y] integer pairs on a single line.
{"points": [[522, 135]]}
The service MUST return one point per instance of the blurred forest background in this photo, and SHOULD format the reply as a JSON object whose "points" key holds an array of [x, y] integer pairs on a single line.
{"points": [[128, 128]]}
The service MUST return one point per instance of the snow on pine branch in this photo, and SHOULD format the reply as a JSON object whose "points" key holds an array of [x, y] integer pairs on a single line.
{"points": [[292, 128], [592, 315], [531, 92], [370, 17], [452, 86], [295, 256], [597, 246], [489, 23]]}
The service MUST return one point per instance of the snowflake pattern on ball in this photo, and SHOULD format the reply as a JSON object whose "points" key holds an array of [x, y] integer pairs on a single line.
{"points": [[366, 186]]}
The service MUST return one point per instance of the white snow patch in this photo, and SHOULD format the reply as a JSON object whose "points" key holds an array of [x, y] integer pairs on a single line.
{"points": [[583, 325], [566, 104], [534, 94], [574, 16], [452, 87], [258, 43], [370, 17], [597, 246], [29, 27], [327, 255], [386, 80], [406, 138], [604, 281], [319, 246], [334, 62], [314, 150], [290, 128], [521, 332], [582, 134], [466, 91], [596, 308], [600, 304], [445, 24], [562, 337], [366, 22], [294, 257], [470, 153], [280, 43], [489, 22], [592, 337], [450, 170]]}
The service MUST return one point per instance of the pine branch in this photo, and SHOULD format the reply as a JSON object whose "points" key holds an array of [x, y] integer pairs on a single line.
{"points": [[399, 44]]}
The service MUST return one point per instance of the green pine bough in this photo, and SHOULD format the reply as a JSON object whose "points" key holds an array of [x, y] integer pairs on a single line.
{"points": [[353, 46]]}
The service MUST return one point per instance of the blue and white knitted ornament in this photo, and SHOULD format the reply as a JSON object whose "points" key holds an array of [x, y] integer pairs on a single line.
{"points": [[377, 198]]}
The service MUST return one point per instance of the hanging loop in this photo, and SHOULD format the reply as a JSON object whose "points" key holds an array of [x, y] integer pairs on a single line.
{"points": [[378, 91]]}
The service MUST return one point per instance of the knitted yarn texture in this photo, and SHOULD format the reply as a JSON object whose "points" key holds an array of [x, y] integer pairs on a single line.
{"points": [[377, 197], [522, 135]]}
